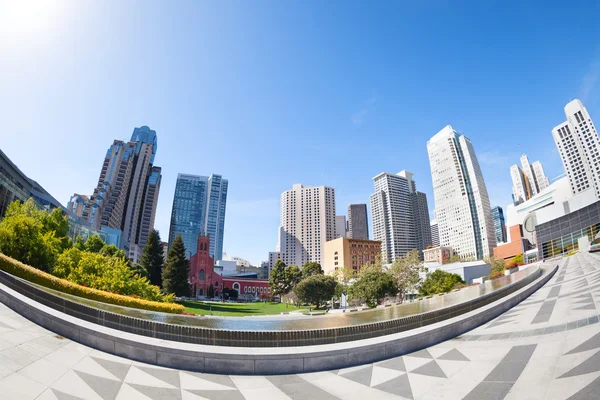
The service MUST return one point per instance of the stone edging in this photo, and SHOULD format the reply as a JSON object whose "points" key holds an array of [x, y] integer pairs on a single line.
{"points": [[251, 360]]}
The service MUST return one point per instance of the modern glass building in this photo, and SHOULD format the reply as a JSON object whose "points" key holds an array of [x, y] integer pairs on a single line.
{"points": [[199, 208], [561, 235], [499, 224]]}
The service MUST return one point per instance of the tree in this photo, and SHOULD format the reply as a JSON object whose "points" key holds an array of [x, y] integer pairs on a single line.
{"points": [[406, 272], [293, 275], [439, 281], [311, 268], [315, 289], [373, 284], [277, 281], [79, 243], [344, 277], [518, 259], [176, 270], [138, 270], [105, 273], [110, 250], [153, 258], [497, 266], [230, 293], [211, 291], [94, 244], [27, 234]]}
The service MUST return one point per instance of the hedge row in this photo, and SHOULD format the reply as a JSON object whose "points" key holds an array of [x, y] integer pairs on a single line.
{"points": [[42, 278]]}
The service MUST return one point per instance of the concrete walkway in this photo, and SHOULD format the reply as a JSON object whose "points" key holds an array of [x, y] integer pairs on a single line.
{"points": [[548, 347]]}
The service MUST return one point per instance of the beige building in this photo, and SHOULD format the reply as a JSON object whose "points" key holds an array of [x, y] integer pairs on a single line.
{"points": [[437, 254], [349, 253]]}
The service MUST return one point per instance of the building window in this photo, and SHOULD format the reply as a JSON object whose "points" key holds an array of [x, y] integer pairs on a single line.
{"points": [[201, 275]]}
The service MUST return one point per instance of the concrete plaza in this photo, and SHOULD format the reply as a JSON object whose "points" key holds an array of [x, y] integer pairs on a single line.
{"points": [[547, 347]]}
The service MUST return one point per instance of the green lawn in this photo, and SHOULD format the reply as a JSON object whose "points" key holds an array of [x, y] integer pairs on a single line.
{"points": [[236, 309]]}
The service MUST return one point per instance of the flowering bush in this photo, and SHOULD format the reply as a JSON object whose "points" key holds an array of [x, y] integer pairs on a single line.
{"points": [[511, 265], [39, 277]]}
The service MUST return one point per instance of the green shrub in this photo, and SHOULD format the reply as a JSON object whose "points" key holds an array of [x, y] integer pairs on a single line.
{"points": [[34, 275]]}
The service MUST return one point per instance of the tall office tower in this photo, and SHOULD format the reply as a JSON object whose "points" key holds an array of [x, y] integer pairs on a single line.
{"points": [[528, 180], [340, 226], [528, 171], [77, 204], [199, 209], [462, 205], [579, 147], [127, 192], [397, 215], [521, 188], [499, 224], [539, 175], [307, 222], [435, 233], [358, 226]]}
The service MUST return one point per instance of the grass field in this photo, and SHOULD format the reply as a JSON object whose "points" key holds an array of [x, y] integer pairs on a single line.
{"points": [[236, 309]]}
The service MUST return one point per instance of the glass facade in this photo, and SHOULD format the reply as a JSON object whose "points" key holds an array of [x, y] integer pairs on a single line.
{"points": [[199, 208], [559, 236], [499, 224], [189, 210]]}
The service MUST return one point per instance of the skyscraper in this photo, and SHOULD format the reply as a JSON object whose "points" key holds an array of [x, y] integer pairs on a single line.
{"points": [[307, 221], [499, 224], [199, 209], [528, 180], [579, 148], [358, 226], [340, 226], [462, 205], [127, 192], [399, 215], [435, 233]]}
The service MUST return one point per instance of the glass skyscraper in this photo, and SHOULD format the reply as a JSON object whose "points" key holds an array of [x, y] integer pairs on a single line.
{"points": [[499, 224], [199, 208]]}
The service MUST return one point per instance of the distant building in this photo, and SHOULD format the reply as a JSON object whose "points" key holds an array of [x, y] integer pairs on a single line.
{"points": [[499, 224], [435, 233], [528, 180], [351, 254], [579, 147], [126, 195], [15, 185], [199, 209], [307, 217], [340, 226], [203, 275], [273, 257], [77, 204], [518, 244], [468, 270], [399, 215], [437, 254], [165, 246], [462, 205], [358, 226]]}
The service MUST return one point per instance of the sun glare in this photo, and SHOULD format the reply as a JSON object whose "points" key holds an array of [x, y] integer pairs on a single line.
{"points": [[22, 17]]}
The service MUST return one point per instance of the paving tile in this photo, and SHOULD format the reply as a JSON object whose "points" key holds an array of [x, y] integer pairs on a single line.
{"points": [[17, 386], [43, 371], [489, 391]]}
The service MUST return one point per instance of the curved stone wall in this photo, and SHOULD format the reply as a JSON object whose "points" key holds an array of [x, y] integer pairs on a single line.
{"points": [[248, 360], [231, 338]]}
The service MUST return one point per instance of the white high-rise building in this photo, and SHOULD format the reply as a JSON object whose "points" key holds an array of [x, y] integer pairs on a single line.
{"points": [[435, 234], [539, 175], [307, 221], [340, 226], [462, 205], [399, 215], [528, 181], [528, 171], [579, 147]]}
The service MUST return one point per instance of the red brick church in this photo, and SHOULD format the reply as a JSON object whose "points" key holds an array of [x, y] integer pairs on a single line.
{"points": [[203, 274]]}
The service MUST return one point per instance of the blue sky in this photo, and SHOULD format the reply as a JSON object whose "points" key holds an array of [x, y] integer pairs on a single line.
{"points": [[272, 93]]}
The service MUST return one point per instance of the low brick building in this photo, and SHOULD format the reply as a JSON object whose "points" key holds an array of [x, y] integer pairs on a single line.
{"points": [[438, 254], [202, 275], [349, 253]]}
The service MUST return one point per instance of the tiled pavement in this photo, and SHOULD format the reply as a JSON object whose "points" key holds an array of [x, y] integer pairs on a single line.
{"points": [[547, 347]]}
